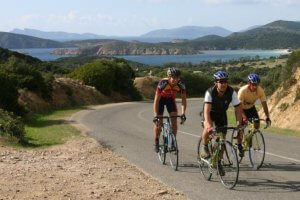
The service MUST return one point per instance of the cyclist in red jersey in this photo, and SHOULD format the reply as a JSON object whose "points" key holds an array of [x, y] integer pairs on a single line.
{"points": [[165, 96]]}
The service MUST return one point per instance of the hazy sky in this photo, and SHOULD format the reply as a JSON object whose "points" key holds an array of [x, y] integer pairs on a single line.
{"points": [[136, 17]]}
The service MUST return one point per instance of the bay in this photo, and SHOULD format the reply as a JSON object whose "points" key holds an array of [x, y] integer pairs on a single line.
{"points": [[42, 53], [222, 55]]}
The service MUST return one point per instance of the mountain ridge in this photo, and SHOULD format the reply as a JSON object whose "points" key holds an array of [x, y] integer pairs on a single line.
{"points": [[19, 41]]}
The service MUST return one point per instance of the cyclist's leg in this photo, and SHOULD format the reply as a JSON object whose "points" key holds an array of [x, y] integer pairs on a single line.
{"points": [[157, 126], [255, 115], [221, 121], [205, 136], [172, 109]]}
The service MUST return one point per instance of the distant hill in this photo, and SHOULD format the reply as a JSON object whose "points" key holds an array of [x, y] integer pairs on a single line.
{"points": [[17, 41], [250, 28], [187, 32], [275, 35], [6, 54], [163, 35], [57, 35]]}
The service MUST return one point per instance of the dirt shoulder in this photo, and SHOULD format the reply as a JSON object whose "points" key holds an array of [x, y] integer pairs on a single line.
{"points": [[79, 169]]}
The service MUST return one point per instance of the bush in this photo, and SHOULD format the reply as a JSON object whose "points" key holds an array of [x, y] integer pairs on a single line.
{"points": [[297, 97], [283, 107], [293, 63], [196, 84], [9, 94], [96, 74], [11, 126], [26, 76], [108, 76]]}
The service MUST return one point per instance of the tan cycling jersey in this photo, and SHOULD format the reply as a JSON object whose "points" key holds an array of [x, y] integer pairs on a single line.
{"points": [[249, 98]]}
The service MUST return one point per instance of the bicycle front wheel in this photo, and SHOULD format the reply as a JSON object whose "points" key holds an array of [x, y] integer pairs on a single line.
{"points": [[204, 165], [162, 149], [257, 150], [234, 136], [173, 152], [228, 166]]}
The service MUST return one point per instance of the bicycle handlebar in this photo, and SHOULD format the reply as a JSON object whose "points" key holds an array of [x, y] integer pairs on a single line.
{"points": [[168, 117], [225, 128], [251, 120]]}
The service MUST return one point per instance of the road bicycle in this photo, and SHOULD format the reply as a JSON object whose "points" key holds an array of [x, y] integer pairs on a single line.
{"points": [[223, 160], [253, 142], [168, 142]]}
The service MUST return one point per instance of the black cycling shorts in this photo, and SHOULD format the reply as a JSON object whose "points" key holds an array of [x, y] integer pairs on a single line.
{"points": [[169, 103], [219, 119], [251, 113]]}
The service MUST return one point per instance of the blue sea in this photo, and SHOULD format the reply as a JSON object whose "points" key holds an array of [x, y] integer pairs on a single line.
{"points": [[45, 54]]}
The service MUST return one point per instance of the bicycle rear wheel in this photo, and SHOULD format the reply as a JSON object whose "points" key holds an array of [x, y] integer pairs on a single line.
{"points": [[162, 149], [257, 150], [173, 152], [204, 165], [228, 166]]}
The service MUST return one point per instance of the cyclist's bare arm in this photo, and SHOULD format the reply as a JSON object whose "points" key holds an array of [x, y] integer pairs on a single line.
{"points": [[265, 107], [208, 124], [183, 103], [156, 101], [238, 114]]}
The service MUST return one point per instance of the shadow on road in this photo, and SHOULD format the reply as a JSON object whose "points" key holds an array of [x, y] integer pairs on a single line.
{"points": [[268, 186], [287, 167]]}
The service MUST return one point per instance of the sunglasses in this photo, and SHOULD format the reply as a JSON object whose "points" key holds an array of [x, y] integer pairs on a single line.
{"points": [[222, 81], [254, 84]]}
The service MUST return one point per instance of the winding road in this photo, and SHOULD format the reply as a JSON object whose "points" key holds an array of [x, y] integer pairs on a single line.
{"points": [[126, 128]]}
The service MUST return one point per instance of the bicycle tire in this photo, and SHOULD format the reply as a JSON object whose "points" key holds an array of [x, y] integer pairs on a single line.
{"points": [[162, 149], [204, 167], [230, 166], [173, 152], [257, 150], [233, 135]]}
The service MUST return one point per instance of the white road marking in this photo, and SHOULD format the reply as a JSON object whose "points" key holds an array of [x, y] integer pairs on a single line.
{"points": [[283, 157]]}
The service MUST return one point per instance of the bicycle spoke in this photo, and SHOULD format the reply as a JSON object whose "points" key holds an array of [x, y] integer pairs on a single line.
{"points": [[233, 140], [173, 152], [228, 166], [257, 150], [162, 149], [204, 165]]}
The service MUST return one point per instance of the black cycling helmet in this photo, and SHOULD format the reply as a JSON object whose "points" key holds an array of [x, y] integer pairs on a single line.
{"points": [[173, 72], [253, 78], [220, 75]]}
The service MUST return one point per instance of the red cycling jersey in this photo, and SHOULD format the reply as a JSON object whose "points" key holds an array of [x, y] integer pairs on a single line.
{"points": [[166, 90]]}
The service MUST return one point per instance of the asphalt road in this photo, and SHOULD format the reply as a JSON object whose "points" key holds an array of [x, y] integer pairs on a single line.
{"points": [[127, 129]]}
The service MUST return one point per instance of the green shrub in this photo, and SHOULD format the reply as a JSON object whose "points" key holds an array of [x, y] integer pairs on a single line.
{"points": [[293, 63], [283, 107], [297, 97], [11, 126], [9, 94], [196, 84], [96, 74], [26, 76], [108, 76]]}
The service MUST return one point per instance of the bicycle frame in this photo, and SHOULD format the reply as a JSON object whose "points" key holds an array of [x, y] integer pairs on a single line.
{"points": [[169, 144], [223, 159], [252, 130]]}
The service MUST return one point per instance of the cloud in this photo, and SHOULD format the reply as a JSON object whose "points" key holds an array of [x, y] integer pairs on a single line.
{"points": [[69, 18]]}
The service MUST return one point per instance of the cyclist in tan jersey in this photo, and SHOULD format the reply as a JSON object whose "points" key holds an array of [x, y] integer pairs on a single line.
{"points": [[248, 95]]}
